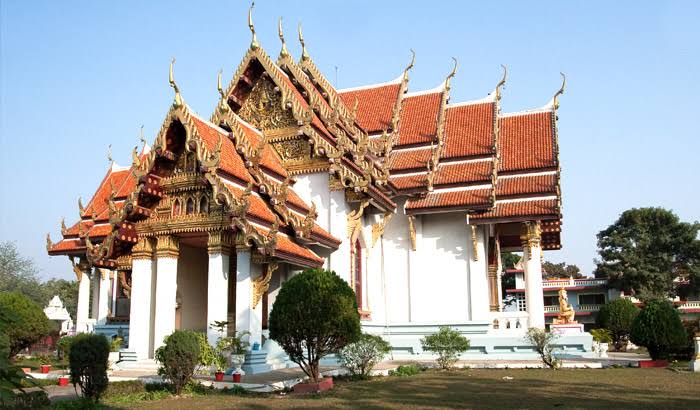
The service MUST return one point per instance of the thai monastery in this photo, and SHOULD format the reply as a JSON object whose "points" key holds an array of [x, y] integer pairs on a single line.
{"points": [[408, 196]]}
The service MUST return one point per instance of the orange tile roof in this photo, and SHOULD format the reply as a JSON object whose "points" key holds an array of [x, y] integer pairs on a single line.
{"points": [[100, 230], [418, 119], [468, 172], [285, 246], [469, 130], [269, 159], [532, 209], [452, 199], [526, 141], [375, 105], [401, 160], [66, 245], [104, 190], [231, 161], [522, 185]]}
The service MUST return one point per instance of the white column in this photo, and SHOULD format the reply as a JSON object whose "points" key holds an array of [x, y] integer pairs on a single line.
{"points": [[83, 313], [167, 251], [247, 319], [95, 293], [104, 296], [142, 278], [115, 279], [532, 265], [478, 274], [219, 247]]}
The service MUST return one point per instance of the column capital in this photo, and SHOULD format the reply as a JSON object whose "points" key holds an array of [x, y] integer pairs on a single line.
{"points": [[530, 236], [220, 242], [167, 246], [143, 249]]}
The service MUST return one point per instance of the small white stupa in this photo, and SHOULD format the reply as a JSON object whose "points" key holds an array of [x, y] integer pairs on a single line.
{"points": [[57, 312]]}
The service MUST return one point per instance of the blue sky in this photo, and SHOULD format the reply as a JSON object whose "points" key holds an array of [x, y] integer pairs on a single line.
{"points": [[78, 76]]}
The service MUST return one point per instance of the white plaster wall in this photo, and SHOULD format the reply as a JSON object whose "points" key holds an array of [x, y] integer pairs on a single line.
{"points": [[478, 273], [373, 294], [397, 245], [314, 188], [439, 284], [339, 261], [192, 287]]}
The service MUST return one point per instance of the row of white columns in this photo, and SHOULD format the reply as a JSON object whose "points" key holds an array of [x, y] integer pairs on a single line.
{"points": [[154, 289], [100, 287]]}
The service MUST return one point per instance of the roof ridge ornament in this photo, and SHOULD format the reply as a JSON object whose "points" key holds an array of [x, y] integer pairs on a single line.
{"points": [[451, 75], [502, 82], [409, 66], [109, 155], [171, 79], [284, 52], [223, 105], [304, 53], [142, 138], [254, 41], [555, 99]]}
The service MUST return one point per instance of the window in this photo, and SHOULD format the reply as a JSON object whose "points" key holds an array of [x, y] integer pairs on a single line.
{"points": [[176, 207], [204, 205], [551, 300], [190, 206], [356, 270], [593, 299]]}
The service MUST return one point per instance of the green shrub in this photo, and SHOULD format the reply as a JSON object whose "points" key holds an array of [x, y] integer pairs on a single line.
{"points": [[601, 335], [361, 357], [315, 314], [658, 327], [37, 399], [448, 344], [88, 357], [405, 370], [116, 344], [29, 325], [543, 343], [63, 346], [179, 356], [687, 351], [12, 377], [617, 316], [207, 355]]}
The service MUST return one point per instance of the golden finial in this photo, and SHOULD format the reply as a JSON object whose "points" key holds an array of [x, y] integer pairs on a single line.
{"points": [[223, 105], [304, 53], [284, 52], [502, 82], [178, 98], [64, 229], [109, 154], [80, 206], [409, 66], [555, 99], [354, 107], [451, 75], [218, 83], [49, 243], [141, 137], [254, 42]]}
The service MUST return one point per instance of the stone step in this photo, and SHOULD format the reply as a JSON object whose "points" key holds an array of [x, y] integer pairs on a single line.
{"points": [[127, 356], [256, 362]]}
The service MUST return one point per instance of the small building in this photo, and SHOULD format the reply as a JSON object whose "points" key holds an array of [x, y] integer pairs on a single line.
{"points": [[56, 312]]}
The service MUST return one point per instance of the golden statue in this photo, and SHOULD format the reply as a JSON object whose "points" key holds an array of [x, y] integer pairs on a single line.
{"points": [[566, 312]]}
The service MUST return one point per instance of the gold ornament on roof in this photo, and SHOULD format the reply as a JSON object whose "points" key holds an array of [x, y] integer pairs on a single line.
{"points": [[412, 231], [555, 99], [502, 82], [409, 66], [49, 243], [304, 53], [280, 32], [254, 41], [141, 137], [451, 75], [171, 79], [261, 284], [64, 230], [109, 154]]}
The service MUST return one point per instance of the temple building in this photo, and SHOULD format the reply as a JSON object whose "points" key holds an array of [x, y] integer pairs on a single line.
{"points": [[408, 196]]}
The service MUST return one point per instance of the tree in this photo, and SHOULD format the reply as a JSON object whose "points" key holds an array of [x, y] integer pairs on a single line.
{"points": [[448, 344], [543, 342], [315, 313], [658, 327], [88, 359], [560, 270], [18, 274], [361, 357], [508, 261], [31, 324], [646, 249], [617, 316], [179, 357]]}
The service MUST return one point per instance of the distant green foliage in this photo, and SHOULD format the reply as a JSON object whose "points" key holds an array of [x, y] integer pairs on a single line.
{"points": [[552, 270], [601, 335], [116, 344], [617, 316], [315, 314], [687, 351], [179, 356], [88, 358], [63, 346], [29, 325], [646, 249], [658, 327], [405, 370], [361, 356], [543, 342], [11, 376], [448, 344]]}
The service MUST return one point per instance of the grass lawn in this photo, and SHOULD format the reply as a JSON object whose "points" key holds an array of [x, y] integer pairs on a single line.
{"points": [[533, 388]]}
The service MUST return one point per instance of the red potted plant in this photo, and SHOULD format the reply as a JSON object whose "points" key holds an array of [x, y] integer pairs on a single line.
{"points": [[220, 364], [236, 377], [63, 380], [45, 363]]}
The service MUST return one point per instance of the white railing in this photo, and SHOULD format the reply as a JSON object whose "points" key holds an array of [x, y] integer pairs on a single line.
{"points": [[589, 308], [549, 309], [693, 304], [558, 283], [509, 321]]}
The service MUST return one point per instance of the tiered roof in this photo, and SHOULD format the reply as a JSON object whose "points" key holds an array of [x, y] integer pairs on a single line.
{"points": [[381, 141]]}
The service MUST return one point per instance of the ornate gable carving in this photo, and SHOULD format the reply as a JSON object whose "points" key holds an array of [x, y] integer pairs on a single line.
{"points": [[264, 107]]}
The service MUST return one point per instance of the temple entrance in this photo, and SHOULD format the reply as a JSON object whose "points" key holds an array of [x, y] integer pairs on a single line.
{"points": [[191, 313]]}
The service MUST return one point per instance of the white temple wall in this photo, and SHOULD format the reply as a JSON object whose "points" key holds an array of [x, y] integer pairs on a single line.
{"points": [[339, 261], [397, 248], [478, 273], [192, 287], [439, 271], [314, 188], [373, 285]]}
